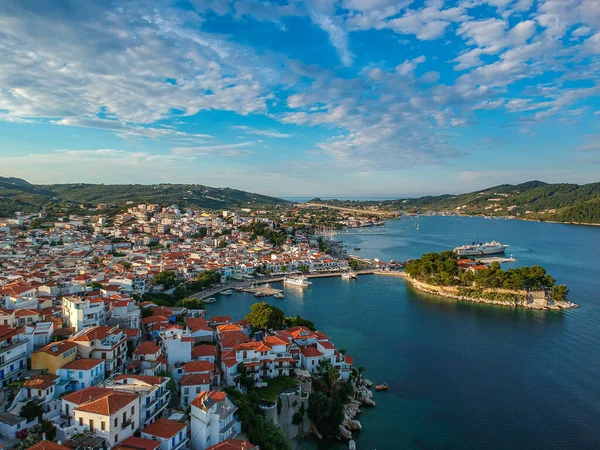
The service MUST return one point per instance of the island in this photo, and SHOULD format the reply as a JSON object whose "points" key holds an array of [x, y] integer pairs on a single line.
{"points": [[446, 275]]}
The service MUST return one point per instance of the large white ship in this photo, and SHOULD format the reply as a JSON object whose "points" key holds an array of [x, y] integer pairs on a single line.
{"points": [[487, 248], [297, 281]]}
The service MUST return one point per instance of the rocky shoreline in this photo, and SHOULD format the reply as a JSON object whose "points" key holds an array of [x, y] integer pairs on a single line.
{"points": [[362, 396], [452, 292]]}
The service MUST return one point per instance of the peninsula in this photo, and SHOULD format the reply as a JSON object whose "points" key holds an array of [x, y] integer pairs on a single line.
{"points": [[445, 275]]}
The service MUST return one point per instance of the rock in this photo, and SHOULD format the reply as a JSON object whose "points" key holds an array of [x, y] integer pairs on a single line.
{"points": [[367, 383], [344, 433], [315, 432], [368, 401], [353, 425]]}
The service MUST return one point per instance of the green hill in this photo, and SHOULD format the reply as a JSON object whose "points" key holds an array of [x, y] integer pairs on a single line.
{"points": [[533, 200], [19, 195]]}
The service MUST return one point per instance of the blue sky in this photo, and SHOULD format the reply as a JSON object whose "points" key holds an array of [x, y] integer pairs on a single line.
{"points": [[302, 97]]}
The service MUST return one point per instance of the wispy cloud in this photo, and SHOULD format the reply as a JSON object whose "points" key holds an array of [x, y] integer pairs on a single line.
{"points": [[267, 133], [218, 150]]}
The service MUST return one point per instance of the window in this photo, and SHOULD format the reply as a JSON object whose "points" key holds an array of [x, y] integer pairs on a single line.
{"points": [[80, 375], [117, 437], [81, 421], [186, 390], [116, 421], [132, 410], [124, 416], [103, 425], [91, 425]]}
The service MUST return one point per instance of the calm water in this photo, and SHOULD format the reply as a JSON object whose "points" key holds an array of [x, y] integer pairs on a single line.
{"points": [[463, 375]]}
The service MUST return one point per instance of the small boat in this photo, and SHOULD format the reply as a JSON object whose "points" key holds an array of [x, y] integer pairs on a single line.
{"points": [[349, 276], [227, 292], [210, 300], [260, 294], [279, 295], [382, 387], [356, 248]]}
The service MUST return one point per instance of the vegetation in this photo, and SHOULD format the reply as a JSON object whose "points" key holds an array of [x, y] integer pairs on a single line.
{"points": [[276, 386], [32, 436], [441, 269], [327, 400], [31, 410], [167, 278], [534, 199], [260, 431], [298, 321], [19, 195], [263, 316], [274, 235]]}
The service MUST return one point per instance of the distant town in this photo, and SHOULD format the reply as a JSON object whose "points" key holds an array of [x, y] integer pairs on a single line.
{"points": [[105, 341]]}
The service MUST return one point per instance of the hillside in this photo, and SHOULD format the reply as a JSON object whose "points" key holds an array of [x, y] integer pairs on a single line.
{"points": [[531, 200], [19, 195]]}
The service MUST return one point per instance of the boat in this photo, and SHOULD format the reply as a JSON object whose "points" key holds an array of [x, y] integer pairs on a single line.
{"points": [[487, 248], [278, 295], [296, 281], [356, 248], [227, 292], [349, 276], [260, 294], [239, 289], [210, 300], [382, 387]]}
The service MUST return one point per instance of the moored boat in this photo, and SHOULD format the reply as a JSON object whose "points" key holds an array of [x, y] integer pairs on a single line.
{"points": [[487, 248], [227, 292], [382, 387], [279, 295], [210, 300], [300, 281]]}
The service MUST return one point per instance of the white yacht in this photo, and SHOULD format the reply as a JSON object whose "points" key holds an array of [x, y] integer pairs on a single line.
{"points": [[349, 276], [488, 248], [210, 300], [227, 292], [279, 295], [301, 281]]}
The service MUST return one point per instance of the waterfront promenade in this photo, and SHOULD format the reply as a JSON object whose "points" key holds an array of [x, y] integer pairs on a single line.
{"points": [[273, 279]]}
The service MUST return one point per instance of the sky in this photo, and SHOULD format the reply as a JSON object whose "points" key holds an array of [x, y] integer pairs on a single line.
{"points": [[301, 97]]}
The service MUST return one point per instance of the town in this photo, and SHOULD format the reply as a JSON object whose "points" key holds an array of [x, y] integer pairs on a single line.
{"points": [[105, 341]]}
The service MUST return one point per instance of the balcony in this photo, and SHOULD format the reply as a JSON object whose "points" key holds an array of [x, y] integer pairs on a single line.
{"points": [[126, 424]]}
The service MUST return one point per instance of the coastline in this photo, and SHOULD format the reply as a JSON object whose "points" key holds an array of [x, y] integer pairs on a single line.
{"points": [[524, 219], [524, 300]]}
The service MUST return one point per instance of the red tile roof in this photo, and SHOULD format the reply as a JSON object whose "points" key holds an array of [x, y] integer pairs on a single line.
{"points": [[137, 443], [195, 379], [143, 378], [164, 428], [198, 366], [109, 404], [147, 348], [216, 396], [83, 364], [61, 346], [204, 350], [47, 445], [86, 394], [40, 382], [233, 444], [311, 352]]}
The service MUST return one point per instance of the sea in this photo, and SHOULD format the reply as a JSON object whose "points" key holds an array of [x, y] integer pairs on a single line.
{"points": [[463, 375]]}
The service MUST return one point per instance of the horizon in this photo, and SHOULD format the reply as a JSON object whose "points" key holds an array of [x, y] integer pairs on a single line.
{"points": [[363, 98]]}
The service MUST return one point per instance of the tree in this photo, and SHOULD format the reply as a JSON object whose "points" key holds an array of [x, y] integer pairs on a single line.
{"points": [[263, 316], [190, 303], [166, 278], [559, 293], [298, 321], [31, 410]]}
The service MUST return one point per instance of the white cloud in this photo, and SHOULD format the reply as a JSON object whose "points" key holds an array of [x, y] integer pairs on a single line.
{"points": [[267, 133], [218, 150]]}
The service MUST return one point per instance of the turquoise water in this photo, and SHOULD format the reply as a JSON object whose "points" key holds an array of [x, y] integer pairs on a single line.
{"points": [[464, 375]]}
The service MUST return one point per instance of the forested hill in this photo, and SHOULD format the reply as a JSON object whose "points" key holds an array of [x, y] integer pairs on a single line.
{"points": [[19, 195], [530, 200]]}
